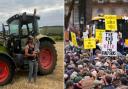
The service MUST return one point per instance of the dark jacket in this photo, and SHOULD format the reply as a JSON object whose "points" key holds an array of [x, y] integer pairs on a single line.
{"points": [[110, 86]]}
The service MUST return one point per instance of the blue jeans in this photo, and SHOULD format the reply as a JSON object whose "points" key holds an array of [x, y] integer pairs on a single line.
{"points": [[33, 69]]}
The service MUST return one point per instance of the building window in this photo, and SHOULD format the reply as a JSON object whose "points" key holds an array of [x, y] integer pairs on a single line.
{"points": [[101, 1], [125, 0], [76, 16], [76, 1], [112, 11], [100, 11], [125, 10], [94, 0], [112, 1]]}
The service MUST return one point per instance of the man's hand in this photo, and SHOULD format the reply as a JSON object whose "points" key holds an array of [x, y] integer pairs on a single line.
{"points": [[34, 54]]}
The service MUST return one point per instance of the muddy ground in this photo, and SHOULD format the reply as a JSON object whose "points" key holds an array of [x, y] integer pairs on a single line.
{"points": [[51, 81]]}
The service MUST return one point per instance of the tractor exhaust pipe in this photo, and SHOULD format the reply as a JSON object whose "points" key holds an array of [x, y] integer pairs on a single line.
{"points": [[34, 14]]}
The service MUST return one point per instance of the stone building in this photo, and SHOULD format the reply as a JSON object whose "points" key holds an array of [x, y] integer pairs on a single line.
{"points": [[84, 10], [114, 7]]}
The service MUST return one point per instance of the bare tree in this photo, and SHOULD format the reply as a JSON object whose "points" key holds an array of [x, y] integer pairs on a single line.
{"points": [[67, 17]]}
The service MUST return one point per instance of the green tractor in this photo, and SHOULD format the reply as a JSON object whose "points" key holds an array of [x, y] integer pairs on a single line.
{"points": [[13, 39]]}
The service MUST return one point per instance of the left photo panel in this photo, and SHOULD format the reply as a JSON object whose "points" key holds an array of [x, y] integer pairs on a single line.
{"points": [[31, 44]]}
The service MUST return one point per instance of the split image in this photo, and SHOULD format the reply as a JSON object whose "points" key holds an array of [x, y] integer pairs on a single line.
{"points": [[96, 44]]}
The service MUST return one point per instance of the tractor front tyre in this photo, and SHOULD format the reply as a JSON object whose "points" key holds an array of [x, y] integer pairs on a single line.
{"points": [[47, 57], [6, 71]]}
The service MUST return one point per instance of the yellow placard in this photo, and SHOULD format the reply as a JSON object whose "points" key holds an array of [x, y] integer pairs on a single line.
{"points": [[126, 42], [89, 43], [111, 22], [99, 34], [73, 36]]}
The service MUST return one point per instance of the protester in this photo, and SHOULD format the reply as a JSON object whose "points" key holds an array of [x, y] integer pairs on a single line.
{"points": [[108, 82], [124, 83], [95, 72], [120, 43]]}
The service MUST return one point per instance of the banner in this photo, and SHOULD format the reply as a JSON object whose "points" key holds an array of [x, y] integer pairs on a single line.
{"points": [[109, 44], [66, 35], [99, 34], [89, 43], [73, 36], [110, 22]]}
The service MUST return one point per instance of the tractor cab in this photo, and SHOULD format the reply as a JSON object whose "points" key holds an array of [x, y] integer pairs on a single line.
{"points": [[23, 25], [20, 26]]}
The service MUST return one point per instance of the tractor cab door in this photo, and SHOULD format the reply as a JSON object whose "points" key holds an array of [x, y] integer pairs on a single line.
{"points": [[19, 32], [14, 42], [25, 31]]}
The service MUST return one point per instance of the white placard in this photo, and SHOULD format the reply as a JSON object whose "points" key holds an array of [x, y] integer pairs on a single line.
{"points": [[109, 44], [85, 34]]}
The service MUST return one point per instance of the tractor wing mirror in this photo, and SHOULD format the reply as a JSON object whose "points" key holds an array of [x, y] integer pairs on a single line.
{"points": [[5, 30]]}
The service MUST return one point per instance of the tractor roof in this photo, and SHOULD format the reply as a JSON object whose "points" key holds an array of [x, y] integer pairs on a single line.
{"points": [[28, 17]]}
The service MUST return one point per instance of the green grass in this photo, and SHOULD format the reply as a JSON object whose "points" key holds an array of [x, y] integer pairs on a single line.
{"points": [[55, 32], [57, 38]]}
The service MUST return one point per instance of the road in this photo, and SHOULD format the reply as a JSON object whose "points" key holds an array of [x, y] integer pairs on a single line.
{"points": [[51, 81]]}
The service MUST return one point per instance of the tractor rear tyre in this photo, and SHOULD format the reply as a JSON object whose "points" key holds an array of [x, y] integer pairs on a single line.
{"points": [[47, 57], [6, 70]]}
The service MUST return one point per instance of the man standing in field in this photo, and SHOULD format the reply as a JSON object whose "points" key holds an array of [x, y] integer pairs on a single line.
{"points": [[31, 56]]}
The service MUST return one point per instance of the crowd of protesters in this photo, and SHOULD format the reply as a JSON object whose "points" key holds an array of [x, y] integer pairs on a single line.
{"points": [[88, 69]]}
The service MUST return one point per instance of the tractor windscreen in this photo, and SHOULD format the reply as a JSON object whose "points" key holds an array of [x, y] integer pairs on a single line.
{"points": [[23, 25], [24, 29], [122, 26], [100, 24], [14, 26]]}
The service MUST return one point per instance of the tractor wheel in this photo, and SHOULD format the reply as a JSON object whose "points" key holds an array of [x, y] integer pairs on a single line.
{"points": [[47, 58], [6, 70]]}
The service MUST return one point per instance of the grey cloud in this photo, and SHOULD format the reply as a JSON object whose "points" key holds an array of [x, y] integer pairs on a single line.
{"points": [[54, 17]]}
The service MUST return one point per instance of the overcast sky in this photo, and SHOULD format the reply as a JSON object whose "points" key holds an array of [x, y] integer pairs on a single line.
{"points": [[50, 11]]}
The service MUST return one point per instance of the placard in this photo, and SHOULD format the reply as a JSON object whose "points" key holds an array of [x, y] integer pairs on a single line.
{"points": [[109, 44], [73, 36], [99, 34], [111, 22], [126, 42], [89, 43], [85, 34]]}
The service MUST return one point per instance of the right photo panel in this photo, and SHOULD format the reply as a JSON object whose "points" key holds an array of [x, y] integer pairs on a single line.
{"points": [[96, 44]]}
